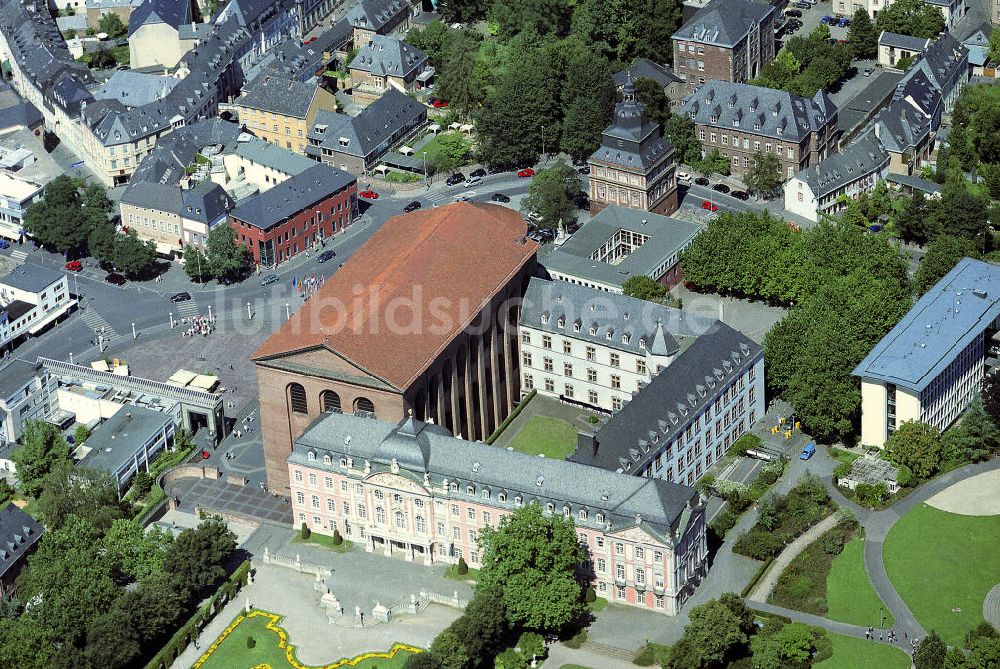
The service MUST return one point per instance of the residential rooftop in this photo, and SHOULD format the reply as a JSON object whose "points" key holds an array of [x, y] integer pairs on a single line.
{"points": [[278, 95], [30, 277], [15, 375], [116, 440], [862, 157], [17, 188], [292, 196], [18, 533], [724, 22]]}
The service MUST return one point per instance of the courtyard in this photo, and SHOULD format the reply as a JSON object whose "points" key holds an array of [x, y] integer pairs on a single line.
{"points": [[546, 426]]}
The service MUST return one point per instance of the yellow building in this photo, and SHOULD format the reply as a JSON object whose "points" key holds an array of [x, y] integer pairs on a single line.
{"points": [[281, 111]]}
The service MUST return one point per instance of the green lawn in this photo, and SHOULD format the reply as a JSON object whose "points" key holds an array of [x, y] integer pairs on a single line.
{"points": [[402, 177], [232, 651], [850, 596], [852, 653], [550, 437], [940, 562], [322, 540], [433, 147], [843, 456]]}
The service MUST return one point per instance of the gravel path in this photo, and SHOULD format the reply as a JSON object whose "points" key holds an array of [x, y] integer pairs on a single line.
{"points": [[978, 495], [765, 586]]}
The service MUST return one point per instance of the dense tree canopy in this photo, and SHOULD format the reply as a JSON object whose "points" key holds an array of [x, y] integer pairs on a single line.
{"points": [[70, 491], [44, 448], [764, 175], [917, 446], [226, 258], [551, 194], [911, 17], [680, 131], [862, 36], [943, 253], [64, 217], [806, 65]]}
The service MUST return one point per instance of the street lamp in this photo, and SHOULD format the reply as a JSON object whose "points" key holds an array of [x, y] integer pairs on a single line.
{"points": [[425, 171]]}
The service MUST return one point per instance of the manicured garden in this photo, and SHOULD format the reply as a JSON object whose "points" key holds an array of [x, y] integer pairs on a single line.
{"points": [[546, 436], [324, 541], [852, 653], [942, 565], [257, 640], [828, 579]]}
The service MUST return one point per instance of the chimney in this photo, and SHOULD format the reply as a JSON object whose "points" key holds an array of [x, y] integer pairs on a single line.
{"points": [[586, 441]]}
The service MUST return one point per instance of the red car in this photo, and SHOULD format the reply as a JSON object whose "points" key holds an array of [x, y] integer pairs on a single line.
{"points": [[74, 266], [709, 206], [310, 40], [526, 172], [438, 104], [369, 194]]}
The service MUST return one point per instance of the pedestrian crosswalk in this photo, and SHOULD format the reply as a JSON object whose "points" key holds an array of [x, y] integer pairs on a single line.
{"points": [[100, 326], [188, 309], [18, 255], [446, 196]]}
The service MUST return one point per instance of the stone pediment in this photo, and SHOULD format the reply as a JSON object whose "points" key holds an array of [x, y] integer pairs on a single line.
{"points": [[397, 482]]}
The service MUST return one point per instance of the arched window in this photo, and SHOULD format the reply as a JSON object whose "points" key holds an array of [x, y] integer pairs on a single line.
{"points": [[363, 404], [400, 520], [421, 524], [330, 401], [297, 398]]}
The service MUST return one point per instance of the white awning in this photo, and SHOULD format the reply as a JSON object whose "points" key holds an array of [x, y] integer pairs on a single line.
{"points": [[455, 126], [51, 316], [434, 127], [406, 150], [382, 168], [466, 127]]}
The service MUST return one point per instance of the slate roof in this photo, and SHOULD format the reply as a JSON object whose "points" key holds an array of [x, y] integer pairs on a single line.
{"points": [[724, 22], [16, 112], [900, 127], [643, 68], [15, 375], [171, 12], [278, 95], [907, 42], [935, 74], [859, 109], [369, 130], [388, 57], [292, 59], [136, 88], [632, 140], [265, 153], [667, 237], [375, 14], [476, 249], [19, 532], [205, 202], [959, 308], [291, 196], [978, 44], [862, 157], [673, 398], [30, 277], [116, 440], [166, 162], [604, 313], [778, 114], [419, 449]]}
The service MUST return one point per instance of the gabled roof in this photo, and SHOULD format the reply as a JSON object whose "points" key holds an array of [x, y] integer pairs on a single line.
{"points": [[724, 22], [205, 202], [907, 42], [278, 95], [275, 157], [461, 252], [901, 128], [171, 12], [292, 195], [949, 316], [133, 88], [19, 532], [863, 157], [672, 400], [375, 14], [367, 132], [643, 68], [30, 277], [388, 57]]}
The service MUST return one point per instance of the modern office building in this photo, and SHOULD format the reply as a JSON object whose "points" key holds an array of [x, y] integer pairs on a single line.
{"points": [[594, 348], [27, 392], [422, 317], [126, 443], [413, 490], [932, 363], [16, 195], [688, 415]]}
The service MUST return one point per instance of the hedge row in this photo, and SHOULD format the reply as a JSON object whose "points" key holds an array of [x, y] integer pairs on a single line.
{"points": [[513, 414]]}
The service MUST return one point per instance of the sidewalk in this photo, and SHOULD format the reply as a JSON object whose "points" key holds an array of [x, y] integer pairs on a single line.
{"points": [[765, 586]]}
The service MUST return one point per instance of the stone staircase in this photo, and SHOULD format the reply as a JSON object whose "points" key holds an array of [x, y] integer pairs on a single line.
{"points": [[609, 651]]}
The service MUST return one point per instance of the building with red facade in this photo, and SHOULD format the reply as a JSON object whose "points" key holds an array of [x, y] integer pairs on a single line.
{"points": [[296, 215]]}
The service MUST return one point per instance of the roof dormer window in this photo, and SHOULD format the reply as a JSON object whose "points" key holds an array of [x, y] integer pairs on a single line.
{"points": [[713, 119], [780, 130], [625, 338], [576, 327], [545, 319], [642, 344], [756, 126], [561, 322], [593, 331]]}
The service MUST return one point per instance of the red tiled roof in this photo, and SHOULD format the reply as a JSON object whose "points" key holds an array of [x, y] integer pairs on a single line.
{"points": [[429, 272]]}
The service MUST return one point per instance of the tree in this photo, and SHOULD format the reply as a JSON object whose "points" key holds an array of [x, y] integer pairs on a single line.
{"points": [[449, 650], [112, 640], [943, 253], [452, 154], [112, 25], [196, 263], [133, 256], [713, 163], [71, 491], [680, 131], [515, 17], [714, 636], [623, 31], [44, 448], [197, 556], [582, 127], [551, 194], [483, 627], [644, 288], [916, 445], [931, 652], [911, 17], [990, 393], [226, 258], [862, 36], [133, 553], [961, 212], [142, 483], [55, 220], [791, 646], [994, 53], [913, 224], [764, 175], [101, 242], [462, 11], [103, 59], [457, 82], [975, 437], [650, 94], [531, 559]]}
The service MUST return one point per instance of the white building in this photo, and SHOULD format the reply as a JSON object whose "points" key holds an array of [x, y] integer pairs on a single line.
{"points": [[27, 392], [127, 443], [953, 10], [932, 363], [33, 297], [893, 46], [595, 348], [16, 195], [827, 187]]}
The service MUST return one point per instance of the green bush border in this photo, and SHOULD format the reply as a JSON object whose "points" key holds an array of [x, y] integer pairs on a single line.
{"points": [[756, 577], [188, 632], [513, 414]]}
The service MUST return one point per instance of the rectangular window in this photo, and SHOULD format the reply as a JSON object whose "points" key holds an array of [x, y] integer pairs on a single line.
{"points": [[567, 369], [591, 353], [546, 341], [592, 396], [615, 361]]}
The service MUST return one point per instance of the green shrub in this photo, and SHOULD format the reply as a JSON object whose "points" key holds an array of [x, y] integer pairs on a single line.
{"points": [[722, 523], [758, 544], [337, 539], [251, 642], [590, 596], [748, 442], [81, 434], [305, 533], [142, 483], [462, 568], [842, 470], [704, 484], [577, 640], [7, 491], [532, 645], [904, 477]]}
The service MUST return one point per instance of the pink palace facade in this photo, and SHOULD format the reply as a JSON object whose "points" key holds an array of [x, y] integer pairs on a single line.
{"points": [[414, 491]]}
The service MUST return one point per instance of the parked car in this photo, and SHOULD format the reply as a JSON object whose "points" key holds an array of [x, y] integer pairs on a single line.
{"points": [[473, 181], [4, 244], [683, 176], [584, 170], [72, 265], [455, 179], [500, 197], [740, 195], [581, 201], [369, 194], [326, 255], [480, 173], [462, 198], [526, 172], [533, 218], [793, 12], [710, 206], [702, 181], [867, 72], [268, 279], [499, 169], [721, 188], [115, 279], [808, 451], [826, 19], [440, 104], [844, 23], [180, 297], [413, 206]]}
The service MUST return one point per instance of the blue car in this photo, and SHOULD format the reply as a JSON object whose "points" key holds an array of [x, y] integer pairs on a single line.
{"points": [[843, 23], [808, 451], [4, 244], [826, 19]]}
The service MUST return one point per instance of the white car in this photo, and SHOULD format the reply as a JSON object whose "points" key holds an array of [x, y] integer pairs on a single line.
{"points": [[462, 198], [683, 176], [473, 181]]}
